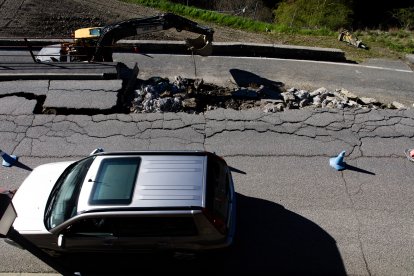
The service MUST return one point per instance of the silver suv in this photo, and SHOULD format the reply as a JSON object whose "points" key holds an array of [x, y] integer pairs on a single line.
{"points": [[121, 201]]}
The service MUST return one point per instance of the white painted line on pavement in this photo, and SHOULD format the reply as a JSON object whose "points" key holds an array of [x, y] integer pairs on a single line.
{"points": [[323, 62]]}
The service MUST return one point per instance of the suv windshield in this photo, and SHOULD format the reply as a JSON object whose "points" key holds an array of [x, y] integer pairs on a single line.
{"points": [[64, 197]]}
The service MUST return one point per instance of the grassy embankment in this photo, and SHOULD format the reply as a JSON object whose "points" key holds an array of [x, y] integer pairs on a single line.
{"points": [[390, 44]]}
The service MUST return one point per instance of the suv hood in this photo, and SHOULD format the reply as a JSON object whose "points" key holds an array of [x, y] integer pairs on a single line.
{"points": [[31, 197]]}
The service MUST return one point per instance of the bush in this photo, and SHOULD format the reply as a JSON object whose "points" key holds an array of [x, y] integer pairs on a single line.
{"points": [[315, 14], [405, 17]]}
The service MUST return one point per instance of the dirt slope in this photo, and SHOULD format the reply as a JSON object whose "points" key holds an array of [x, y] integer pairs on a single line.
{"points": [[58, 18]]}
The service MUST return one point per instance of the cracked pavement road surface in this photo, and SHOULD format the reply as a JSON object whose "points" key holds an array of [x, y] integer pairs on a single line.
{"points": [[312, 219]]}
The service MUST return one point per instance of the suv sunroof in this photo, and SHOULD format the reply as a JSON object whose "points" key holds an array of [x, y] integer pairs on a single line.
{"points": [[115, 181]]}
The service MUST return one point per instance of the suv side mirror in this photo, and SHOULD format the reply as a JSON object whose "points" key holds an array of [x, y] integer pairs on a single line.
{"points": [[97, 150]]}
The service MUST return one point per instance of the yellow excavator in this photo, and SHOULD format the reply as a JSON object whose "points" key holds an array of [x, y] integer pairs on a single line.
{"points": [[96, 44], [351, 39]]}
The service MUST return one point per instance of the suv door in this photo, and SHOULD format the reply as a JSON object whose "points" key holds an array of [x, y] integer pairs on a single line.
{"points": [[154, 232], [88, 234]]}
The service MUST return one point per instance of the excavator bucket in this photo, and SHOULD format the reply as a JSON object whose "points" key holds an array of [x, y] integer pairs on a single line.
{"points": [[200, 45]]}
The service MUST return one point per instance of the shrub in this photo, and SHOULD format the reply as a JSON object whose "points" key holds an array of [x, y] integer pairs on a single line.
{"points": [[330, 14], [405, 16]]}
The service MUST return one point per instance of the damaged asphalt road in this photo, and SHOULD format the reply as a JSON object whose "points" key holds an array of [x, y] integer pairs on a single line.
{"points": [[361, 218], [313, 219]]}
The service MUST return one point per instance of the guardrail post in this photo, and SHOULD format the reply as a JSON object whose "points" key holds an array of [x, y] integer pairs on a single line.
{"points": [[30, 50]]}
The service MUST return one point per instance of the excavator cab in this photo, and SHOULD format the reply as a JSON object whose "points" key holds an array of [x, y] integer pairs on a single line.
{"points": [[84, 44], [88, 33]]}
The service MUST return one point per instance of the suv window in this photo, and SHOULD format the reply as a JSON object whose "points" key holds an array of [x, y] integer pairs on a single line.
{"points": [[115, 181], [134, 227], [154, 226], [90, 227]]}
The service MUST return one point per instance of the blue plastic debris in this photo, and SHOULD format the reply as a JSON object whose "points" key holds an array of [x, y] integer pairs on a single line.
{"points": [[8, 160], [338, 162]]}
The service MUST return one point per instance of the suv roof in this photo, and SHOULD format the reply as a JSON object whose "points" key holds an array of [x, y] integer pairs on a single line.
{"points": [[145, 179]]}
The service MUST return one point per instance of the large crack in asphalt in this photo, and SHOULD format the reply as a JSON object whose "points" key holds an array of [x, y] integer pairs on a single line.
{"points": [[361, 245], [347, 128]]}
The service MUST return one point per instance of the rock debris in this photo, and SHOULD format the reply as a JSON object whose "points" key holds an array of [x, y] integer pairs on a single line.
{"points": [[194, 95]]}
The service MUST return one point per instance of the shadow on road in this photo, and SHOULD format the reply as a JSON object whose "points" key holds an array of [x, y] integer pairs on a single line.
{"points": [[245, 78], [356, 169], [22, 166], [269, 240], [274, 240]]}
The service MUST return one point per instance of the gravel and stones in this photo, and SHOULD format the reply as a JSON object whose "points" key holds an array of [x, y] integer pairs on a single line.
{"points": [[194, 95]]}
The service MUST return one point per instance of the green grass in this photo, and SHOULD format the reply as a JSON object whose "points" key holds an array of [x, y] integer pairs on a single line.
{"points": [[392, 44], [401, 41]]}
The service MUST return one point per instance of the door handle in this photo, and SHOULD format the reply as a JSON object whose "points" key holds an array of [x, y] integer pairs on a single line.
{"points": [[109, 241]]}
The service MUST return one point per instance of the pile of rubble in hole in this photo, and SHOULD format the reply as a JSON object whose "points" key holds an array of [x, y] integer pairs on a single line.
{"points": [[193, 95]]}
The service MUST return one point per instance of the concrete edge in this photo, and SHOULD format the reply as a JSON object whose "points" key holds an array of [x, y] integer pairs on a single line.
{"points": [[238, 49], [52, 76], [28, 274], [219, 48], [410, 59]]}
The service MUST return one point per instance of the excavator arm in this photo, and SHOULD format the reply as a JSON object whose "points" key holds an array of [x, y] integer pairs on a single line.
{"points": [[110, 34]]}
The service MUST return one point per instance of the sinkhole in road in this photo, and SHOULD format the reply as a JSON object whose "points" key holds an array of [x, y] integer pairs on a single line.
{"points": [[158, 94]]}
